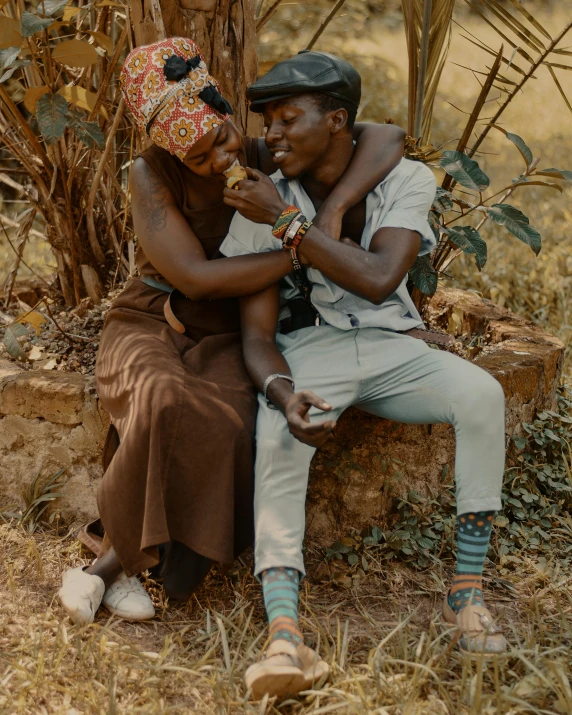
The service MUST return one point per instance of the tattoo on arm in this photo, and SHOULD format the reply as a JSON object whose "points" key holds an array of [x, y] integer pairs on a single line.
{"points": [[153, 205]]}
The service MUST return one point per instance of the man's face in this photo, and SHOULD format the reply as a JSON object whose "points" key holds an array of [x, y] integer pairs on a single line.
{"points": [[298, 134]]}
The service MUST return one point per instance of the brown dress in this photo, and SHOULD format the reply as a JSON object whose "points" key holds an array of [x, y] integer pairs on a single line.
{"points": [[183, 406]]}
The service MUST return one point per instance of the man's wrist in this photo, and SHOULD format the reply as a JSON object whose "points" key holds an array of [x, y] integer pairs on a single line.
{"points": [[279, 211], [333, 204], [279, 393]]}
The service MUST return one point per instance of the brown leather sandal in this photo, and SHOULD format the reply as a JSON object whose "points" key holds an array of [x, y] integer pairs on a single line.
{"points": [[478, 633], [285, 670]]}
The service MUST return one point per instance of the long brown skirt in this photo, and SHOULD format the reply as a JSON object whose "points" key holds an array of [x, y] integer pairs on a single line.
{"points": [[185, 411]]}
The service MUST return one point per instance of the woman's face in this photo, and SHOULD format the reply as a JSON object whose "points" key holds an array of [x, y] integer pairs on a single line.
{"points": [[215, 152]]}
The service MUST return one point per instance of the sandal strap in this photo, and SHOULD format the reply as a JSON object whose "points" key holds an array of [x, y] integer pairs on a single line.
{"points": [[477, 619], [282, 647]]}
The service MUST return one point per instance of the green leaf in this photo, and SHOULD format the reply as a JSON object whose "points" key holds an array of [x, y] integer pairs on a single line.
{"points": [[527, 182], [89, 132], [556, 173], [423, 275], [339, 547], [517, 223], [52, 116], [519, 143], [425, 543], [464, 170], [353, 559], [401, 534], [32, 24], [10, 71], [8, 56], [469, 240], [442, 201], [10, 340], [50, 7]]}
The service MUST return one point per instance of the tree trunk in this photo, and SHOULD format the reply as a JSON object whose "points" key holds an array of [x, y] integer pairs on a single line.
{"points": [[223, 29]]}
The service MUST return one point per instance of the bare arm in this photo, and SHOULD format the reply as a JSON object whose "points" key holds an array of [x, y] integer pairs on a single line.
{"points": [[176, 253], [374, 274], [379, 149], [259, 315]]}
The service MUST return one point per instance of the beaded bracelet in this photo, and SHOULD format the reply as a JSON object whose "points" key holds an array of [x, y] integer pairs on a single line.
{"points": [[284, 221], [292, 230], [300, 233], [296, 232]]}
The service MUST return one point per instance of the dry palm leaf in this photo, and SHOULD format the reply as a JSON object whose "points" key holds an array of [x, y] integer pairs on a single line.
{"points": [[428, 30], [526, 38]]}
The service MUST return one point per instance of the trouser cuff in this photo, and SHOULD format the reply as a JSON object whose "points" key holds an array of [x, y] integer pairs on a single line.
{"points": [[279, 561], [467, 506]]}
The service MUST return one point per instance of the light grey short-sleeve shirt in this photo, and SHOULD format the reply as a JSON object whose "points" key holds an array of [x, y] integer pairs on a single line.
{"points": [[402, 200]]}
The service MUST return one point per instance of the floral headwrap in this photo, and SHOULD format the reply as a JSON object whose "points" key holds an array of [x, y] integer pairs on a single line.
{"points": [[171, 94]]}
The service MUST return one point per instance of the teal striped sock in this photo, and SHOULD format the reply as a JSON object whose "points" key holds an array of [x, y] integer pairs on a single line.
{"points": [[280, 589], [473, 537]]}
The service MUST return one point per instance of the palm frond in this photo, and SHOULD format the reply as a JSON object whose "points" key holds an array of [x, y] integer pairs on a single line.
{"points": [[517, 26], [531, 19], [559, 86], [428, 40]]}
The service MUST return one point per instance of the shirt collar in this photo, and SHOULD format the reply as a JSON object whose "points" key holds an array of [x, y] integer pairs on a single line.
{"points": [[374, 200]]}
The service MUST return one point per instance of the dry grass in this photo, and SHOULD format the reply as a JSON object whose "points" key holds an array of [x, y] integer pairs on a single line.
{"points": [[384, 643]]}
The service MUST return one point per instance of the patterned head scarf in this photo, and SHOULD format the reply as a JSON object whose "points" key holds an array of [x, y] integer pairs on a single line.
{"points": [[171, 94]]}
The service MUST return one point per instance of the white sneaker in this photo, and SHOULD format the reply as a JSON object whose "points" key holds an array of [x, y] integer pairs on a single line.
{"points": [[81, 595], [127, 599]]}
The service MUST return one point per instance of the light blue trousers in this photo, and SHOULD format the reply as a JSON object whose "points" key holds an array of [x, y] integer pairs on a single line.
{"points": [[389, 375]]}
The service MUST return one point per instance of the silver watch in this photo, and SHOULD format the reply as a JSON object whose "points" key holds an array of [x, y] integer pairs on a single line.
{"points": [[271, 378]]}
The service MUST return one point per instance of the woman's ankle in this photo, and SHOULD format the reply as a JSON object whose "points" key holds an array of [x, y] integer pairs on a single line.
{"points": [[107, 567]]}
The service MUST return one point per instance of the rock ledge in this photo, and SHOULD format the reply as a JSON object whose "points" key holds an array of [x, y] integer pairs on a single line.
{"points": [[52, 420]]}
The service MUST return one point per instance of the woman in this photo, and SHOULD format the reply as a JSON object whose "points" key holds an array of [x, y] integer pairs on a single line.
{"points": [[170, 369]]}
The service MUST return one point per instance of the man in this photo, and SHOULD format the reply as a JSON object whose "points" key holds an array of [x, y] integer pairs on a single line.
{"points": [[342, 341]]}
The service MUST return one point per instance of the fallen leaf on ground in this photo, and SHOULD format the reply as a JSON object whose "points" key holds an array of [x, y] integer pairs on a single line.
{"points": [[36, 352]]}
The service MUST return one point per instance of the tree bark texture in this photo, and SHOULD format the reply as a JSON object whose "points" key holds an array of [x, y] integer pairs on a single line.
{"points": [[223, 29]]}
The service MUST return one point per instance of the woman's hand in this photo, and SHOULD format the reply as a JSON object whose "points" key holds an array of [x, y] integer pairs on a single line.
{"points": [[296, 413], [256, 198]]}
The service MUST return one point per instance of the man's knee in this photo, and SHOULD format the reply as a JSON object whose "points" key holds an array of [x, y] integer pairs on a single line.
{"points": [[481, 404]]}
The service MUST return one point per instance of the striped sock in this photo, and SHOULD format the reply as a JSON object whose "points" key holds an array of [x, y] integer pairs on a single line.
{"points": [[473, 537], [280, 589]]}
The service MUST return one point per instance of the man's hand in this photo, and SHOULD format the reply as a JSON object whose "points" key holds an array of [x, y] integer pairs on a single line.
{"points": [[256, 198], [296, 413]]}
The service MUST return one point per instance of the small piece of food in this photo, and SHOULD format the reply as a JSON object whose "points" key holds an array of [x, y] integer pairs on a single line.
{"points": [[234, 174]]}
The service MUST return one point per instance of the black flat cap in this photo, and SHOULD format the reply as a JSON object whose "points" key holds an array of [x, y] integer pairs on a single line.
{"points": [[306, 72]]}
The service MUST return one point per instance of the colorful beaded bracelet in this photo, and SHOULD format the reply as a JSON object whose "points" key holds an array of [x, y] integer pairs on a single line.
{"points": [[300, 233], [284, 221], [292, 230]]}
